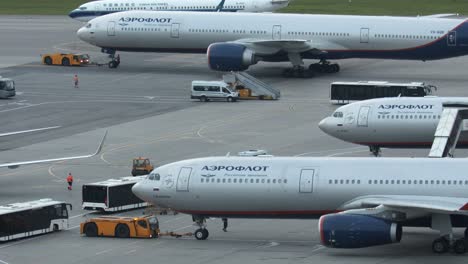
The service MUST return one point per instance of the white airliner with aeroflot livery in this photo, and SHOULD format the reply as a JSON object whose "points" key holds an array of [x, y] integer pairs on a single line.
{"points": [[90, 10], [361, 202], [391, 122], [235, 41]]}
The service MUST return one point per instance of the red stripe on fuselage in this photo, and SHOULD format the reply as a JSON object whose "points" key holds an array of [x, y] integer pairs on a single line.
{"points": [[247, 213], [403, 143]]}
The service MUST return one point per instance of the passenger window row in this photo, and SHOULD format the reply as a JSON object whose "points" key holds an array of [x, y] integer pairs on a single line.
{"points": [[127, 7], [413, 182], [236, 180], [209, 30], [258, 32], [393, 36], [142, 29], [344, 181], [331, 34], [408, 117], [420, 182]]}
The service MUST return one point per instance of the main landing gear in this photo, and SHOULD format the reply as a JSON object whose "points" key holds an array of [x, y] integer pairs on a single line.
{"points": [[445, 244], [446, 241], [375, 150], [324, 67], [299, 71], [201, 233]]}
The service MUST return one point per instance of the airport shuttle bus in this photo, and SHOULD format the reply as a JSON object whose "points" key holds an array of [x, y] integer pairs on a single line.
{"points": [[7, 88], [112, 195], [347, 92], [27, 219]]}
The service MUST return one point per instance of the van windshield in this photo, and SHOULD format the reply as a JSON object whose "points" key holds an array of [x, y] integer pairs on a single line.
{"points": [[7, 85], [226, 90]]}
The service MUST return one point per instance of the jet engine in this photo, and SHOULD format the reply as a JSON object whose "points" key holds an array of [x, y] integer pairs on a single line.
{"points": [[229, 57], [357, 231]]}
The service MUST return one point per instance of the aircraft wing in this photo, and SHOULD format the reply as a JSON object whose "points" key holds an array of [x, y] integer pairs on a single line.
{"points": [[27, 131], [13, 165], [441, 15], [269, 46], [410, 204]]}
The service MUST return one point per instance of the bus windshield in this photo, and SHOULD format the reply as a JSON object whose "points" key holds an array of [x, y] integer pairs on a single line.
{"points": [[23, 222], [94, 194]]}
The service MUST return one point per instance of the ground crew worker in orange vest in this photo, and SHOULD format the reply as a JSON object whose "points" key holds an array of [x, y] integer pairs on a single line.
{"points": [[70, 181]]}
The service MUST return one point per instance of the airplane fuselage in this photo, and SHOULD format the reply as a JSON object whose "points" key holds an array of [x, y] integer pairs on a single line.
{"points": [[282, 187], [95, 9], [337, 36], [405, 122]]}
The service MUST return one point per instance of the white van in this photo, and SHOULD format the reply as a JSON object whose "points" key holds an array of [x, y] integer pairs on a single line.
{"points": [[7, 88], [206, 90]]}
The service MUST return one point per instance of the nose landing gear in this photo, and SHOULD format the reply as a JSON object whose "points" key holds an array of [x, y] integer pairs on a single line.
{"points": [[201, 233], [115, 60]]}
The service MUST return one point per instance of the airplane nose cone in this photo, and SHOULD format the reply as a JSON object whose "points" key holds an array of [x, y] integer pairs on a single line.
{"points": [[82, 34], [324, 126], [72, 14], [138, 190]]}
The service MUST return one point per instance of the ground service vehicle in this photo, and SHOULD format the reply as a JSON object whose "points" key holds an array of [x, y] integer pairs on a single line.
{"points": [[348, 92], [141, 166], [112, 226], [207, 90], [246, 93], [27, 219], [111, 195], [7, 88], [65, 59]]}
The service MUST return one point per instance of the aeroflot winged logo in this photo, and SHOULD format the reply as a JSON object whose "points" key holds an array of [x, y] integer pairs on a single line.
{"points": [[235, 168], [406, 107], [145, 20]]}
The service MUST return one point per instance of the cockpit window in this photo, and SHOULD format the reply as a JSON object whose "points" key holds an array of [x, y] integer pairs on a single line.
{"points": [[338, 114], [154, 177], [83, 8], [88, 25]]}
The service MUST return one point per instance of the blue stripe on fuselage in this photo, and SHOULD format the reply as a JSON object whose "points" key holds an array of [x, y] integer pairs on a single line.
{"points": [[80, 13], [438, 49]]}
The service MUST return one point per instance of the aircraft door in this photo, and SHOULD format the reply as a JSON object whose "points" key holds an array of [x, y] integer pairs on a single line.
{"points": [[175, 30], [97, 8], [452, 39], [183, 179], [363, 116], [111, 28], [364, 35], [276, 32], [306, 182]]}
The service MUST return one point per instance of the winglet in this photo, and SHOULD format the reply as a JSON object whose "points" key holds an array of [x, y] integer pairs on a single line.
{"points": [[100, 144]]}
